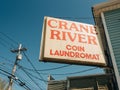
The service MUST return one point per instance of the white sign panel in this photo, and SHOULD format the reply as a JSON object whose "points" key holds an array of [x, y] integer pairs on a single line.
{"points": [[70, 42]]}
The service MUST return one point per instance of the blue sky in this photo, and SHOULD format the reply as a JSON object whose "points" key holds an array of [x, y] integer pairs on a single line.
{"points": [[22, 20]]}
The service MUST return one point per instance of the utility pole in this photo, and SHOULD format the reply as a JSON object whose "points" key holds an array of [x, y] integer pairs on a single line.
{"points": [[18, 58]]}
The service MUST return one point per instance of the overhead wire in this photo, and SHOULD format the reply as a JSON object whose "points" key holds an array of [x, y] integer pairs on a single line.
{"points": [[15, 74], [3, 44], [19, 81], [4, 40], [6, 72], [3, 66], [32, 79], [82, 71], [6, 67], [6, 63], [77, 18], [6, 59], [59, 74], [34, 69], [3, 74], [33, 66], [14, 77], [30, 84], [33, 75], [9, 38], [48, 69], [64, 17]]}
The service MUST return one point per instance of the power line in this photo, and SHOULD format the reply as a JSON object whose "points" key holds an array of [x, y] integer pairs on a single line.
{"points": [[6, 59], [4, 65], [17, 75], [63, 73], [4, 45], [59, 74], [32, 79], [6, 72], [33, 66], [21, 83], [3, 74], [9, 38], [33, 75], [75, 72], [76, 18], [60, 68], [49, 69], [30, 84]]}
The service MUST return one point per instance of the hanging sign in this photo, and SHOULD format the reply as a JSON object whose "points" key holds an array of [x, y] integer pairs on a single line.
{"points": [[66, 41]]}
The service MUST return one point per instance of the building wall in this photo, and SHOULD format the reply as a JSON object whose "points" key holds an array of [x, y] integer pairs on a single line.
{"points": [[90, 82], [91, 88], [112, 19], [107, 18], [95, 82], [111, 24], [57, 85]]}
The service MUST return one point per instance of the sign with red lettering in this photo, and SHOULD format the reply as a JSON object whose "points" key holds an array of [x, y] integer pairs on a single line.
{"points": [[70, 42]]}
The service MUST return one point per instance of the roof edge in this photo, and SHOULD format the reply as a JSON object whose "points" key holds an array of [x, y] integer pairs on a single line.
{"points": [[106, 4]]}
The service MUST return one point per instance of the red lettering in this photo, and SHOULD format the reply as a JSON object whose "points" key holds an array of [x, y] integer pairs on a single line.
{"points": [[51, 52], [55, 35], [82, 55], [74, 54], [72, 38], [66, 25], [82, 38], [92, 40], [73, 26], [62, 25], [52, 23], [75, 48], [84, 28], [97, 56], [68, 47], [64, 36], [92, 30], [57, 53]]}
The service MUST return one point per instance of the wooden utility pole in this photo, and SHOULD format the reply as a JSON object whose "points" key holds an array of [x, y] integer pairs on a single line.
{"points": [[18, 57]]}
